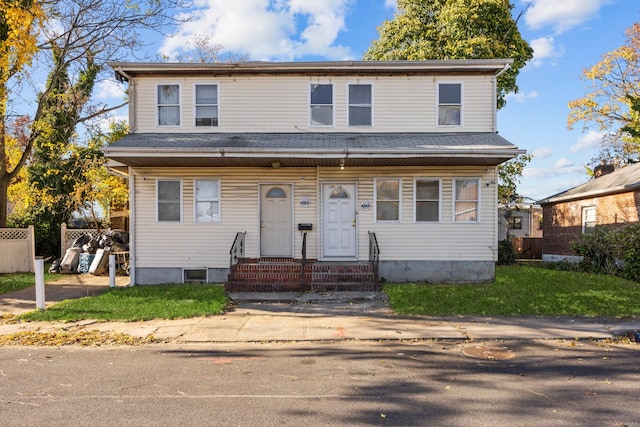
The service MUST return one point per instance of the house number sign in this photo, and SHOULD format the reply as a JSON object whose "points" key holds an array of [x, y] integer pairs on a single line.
{"points": [[305, 202]]}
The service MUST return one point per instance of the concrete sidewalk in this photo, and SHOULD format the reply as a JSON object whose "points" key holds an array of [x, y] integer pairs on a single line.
{"points": [[305, 317]]}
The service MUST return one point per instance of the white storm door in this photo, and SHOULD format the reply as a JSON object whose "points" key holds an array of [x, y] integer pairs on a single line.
{"points": [[276, 222], [339, 224]]}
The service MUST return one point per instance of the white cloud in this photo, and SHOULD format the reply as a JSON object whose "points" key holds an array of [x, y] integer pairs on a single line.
{"points": [[109, 89], [544, 48], [393, 4], [542, 153], [590, 140], [522, 96], [563, 163], [267, 29], [561, 15]]}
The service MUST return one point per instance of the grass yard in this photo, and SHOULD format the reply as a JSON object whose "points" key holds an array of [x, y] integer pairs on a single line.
{"points": [[16, 281], [139, 303], [522, 291]]}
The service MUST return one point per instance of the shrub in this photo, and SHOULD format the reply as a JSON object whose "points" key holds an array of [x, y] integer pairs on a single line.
{"points": [[597, 252], [628, 245], [506, 252]]}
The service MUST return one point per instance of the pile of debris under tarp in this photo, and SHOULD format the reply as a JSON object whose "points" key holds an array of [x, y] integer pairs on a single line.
{"points": [[88, 254]]}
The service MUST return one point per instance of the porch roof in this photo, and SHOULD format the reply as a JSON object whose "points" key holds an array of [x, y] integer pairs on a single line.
{"points": [[311, 149]]}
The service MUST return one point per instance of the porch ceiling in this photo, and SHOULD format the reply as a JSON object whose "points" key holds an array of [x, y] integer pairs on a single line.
{"points": [[311, 150]]}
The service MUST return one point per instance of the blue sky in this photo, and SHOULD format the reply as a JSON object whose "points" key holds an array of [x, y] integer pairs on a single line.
{"points": [[567, 36]]}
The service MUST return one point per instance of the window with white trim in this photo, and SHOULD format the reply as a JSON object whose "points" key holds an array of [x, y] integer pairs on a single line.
{"points": [[169, 200], [427, 200], [466, 199], [206, 108], [360, 109], [387, 199], [588, 219], [321, 104], [169, 105], [207, 200], [449, 104], [514, 223]]}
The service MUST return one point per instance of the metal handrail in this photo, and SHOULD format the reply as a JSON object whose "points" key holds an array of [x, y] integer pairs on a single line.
{"points": [[237, 248], [304, 258], [374, 254]]}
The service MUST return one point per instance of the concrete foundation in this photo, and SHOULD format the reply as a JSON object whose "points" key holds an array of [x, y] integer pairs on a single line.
{"points": [[438, 271]]}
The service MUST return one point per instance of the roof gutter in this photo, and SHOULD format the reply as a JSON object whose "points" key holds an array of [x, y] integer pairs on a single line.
{"points": [[132, 120], [506, 67]]}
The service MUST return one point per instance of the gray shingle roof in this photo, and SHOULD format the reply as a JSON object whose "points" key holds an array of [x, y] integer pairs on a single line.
{"points": [[622, 180], [300, 141]]}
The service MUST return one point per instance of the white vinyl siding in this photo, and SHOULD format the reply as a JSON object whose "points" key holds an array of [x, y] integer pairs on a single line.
{"points": [[194, 246], [282, 104]]}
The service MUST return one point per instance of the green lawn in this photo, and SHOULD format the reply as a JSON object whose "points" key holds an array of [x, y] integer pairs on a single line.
{"points": [[140, 303], [517, 291], [17, 281], [522, 291]]}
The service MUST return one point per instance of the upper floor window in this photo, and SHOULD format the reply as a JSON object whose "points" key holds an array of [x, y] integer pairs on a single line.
{"points": [[387, 199], [321, 105], [207, 199], [466, 199], [449, 104], [427, 199], [360, 105], [168, 105], [169, 200], [206, 97], [588, 219]]}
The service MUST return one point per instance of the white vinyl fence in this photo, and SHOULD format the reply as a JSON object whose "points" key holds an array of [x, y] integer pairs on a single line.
{"points": [[17, 250]]}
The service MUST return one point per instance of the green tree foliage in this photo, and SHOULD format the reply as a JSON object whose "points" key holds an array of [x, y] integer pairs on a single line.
{"points": [[612, 104], [455, 29]]}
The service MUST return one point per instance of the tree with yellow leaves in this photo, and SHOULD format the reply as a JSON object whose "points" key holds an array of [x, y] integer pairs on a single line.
{"points": [[612, 106]]}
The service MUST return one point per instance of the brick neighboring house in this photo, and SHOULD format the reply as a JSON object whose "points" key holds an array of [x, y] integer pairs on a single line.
{"points": [[612, 198]]}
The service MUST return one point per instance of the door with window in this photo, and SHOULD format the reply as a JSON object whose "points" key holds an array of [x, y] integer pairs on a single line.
{"points": [[276, 221], [339, 224]]}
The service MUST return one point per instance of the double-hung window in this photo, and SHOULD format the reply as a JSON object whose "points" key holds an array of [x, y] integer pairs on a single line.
{"points": [[466, 199], [168, 105], [449, 104], [388, 199], [515, 223], [207, 200], [169, 200], [206, 97], [321, 105], [360, 110], [427, 199], [588, 219]]}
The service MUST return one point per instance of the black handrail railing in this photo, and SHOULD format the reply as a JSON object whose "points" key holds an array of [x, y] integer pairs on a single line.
{"points": [[237, 249], [374, 254], [304, 258]]}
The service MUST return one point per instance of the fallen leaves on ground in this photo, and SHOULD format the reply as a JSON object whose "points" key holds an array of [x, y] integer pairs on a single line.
{"points": [[80, 338]]}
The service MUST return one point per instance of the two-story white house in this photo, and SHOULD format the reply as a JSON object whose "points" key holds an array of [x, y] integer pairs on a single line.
{"points": [[392, 164]]}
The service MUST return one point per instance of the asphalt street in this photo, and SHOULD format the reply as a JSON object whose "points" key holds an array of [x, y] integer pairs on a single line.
{"points": [[396, 383]]}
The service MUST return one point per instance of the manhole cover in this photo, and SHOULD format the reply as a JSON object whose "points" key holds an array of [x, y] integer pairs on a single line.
{"points": [[488, 353]]}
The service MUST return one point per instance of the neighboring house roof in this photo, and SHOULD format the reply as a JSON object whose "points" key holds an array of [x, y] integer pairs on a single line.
{"points": [[311, 149], [621, 181]]}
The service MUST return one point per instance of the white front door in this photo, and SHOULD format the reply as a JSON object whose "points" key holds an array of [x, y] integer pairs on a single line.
{"points": [[339, 224], [276, 224]]}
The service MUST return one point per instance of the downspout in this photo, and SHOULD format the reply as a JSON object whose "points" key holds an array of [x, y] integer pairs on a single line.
{"points": [[495, 95], [132, 122], [132, 227]]}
